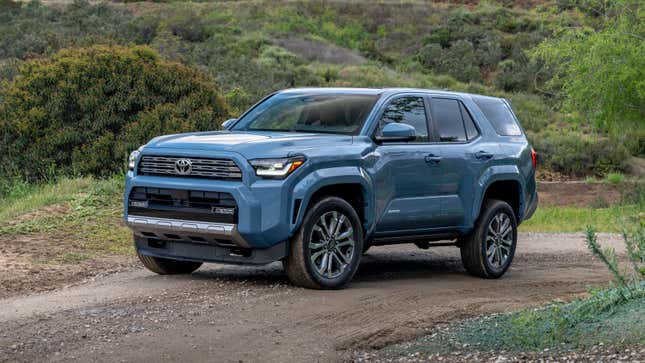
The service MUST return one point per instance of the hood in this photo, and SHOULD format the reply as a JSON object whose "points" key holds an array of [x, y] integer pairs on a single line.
{"points": [[256, 144]]}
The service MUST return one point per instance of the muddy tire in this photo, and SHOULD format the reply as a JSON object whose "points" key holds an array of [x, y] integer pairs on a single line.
{"points": [[489, 249], [165, 266], [326, 250]]}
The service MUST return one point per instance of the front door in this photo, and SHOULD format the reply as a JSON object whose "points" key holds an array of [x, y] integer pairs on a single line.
{"points": [[406, 185]]}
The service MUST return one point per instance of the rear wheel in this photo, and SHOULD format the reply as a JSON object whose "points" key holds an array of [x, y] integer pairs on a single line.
{"points": [[165, 266], [326, 250], [489, 249]]}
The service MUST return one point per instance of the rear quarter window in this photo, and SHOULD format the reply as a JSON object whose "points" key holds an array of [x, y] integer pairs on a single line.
{"points": [[499, 115]]}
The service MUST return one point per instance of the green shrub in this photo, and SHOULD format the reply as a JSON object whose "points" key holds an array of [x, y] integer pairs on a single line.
{"points": [[633, 193], [534, 114], [615, 178], [571, 152], [458, 60], [82, 110], [189, 26]]}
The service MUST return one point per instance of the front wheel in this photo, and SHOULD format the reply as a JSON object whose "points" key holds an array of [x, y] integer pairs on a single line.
{"points": [[489, 249], [326, 250]]}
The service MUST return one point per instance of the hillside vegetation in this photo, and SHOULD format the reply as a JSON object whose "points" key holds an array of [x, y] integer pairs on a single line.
{"points": [[244, 50], [63, 115]]}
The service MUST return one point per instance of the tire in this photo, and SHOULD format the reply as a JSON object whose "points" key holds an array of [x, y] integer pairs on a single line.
{"points": [[476, 247], [309, 241], [165, 266]]}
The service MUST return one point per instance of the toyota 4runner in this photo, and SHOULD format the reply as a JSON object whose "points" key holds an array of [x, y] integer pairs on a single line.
{"points": [[313, 177]]}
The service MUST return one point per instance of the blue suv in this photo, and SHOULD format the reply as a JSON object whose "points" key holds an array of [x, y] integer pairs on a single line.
{"points": [[314, 177]]}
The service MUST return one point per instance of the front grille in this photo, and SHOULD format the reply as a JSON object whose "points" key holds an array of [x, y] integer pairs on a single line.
{"points": [[193, 205], [200, 167]]}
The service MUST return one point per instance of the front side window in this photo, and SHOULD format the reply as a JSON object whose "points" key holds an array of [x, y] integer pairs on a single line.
{"points": [[307, 112], [408, 110]]}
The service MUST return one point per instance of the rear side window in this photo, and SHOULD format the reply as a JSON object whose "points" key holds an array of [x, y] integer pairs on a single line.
{"points": [[452, 120], [499, 115], [471, 129], [447, 118]]}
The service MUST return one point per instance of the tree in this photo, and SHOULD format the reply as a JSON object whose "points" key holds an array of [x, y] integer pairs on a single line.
{"points": [[82, 110], [600, 73]]}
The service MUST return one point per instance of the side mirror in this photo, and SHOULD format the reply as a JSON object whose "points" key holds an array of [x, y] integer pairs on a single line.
{"points": [[397, 132], [228, 123]]}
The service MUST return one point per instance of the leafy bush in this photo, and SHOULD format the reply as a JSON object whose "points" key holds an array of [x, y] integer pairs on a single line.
{"points": [[600, 72], [458, 60], [82, 110], [615, 178], [574, 153], [189, 26], [633, 193]]}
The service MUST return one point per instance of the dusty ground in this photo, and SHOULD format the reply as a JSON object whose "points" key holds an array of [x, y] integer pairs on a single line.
{"points": [[228, 313], [38, 262], [578, 194]]}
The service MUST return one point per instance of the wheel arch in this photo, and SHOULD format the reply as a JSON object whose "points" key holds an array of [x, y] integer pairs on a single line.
{"points": [[503, 184], [349, 183]]}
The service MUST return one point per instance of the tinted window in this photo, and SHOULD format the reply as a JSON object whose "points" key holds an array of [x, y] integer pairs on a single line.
{"points": [[408, 110], [305, 112], [447, 117], [499, 115], [471, 129]]}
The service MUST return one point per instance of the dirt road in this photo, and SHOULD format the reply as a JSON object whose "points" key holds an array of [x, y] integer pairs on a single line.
{"points": [[232, 314]]}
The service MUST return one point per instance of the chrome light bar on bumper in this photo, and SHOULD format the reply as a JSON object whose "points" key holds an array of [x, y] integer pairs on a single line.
{"points": [[190, 231]]}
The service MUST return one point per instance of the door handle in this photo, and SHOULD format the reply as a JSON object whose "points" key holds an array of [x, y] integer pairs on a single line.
{"points": [[483, 155], [433, 159]]}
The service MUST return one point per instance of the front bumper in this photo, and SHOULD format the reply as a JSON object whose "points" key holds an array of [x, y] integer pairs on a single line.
{"points": [[263, 211], [186, 231], [179, 250]]}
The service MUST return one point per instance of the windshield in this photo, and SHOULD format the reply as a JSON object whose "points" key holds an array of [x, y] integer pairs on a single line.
{"points": [[317, 113]]}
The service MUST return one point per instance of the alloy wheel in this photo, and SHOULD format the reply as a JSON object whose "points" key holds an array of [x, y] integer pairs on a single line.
{"points": [[499, 240], [331, 244]]}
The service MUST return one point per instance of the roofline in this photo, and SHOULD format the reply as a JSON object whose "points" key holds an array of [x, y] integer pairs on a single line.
{"points": [[386, 91]]}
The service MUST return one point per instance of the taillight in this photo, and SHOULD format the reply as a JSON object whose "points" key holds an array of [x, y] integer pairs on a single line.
{"points": [[534, 158]]}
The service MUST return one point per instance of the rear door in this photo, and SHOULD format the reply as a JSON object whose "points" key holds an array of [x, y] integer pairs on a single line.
{"points": [[464, 157]]}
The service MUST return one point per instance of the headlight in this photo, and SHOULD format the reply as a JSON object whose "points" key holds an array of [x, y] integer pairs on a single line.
{"points": [[276, 168], [132, 160]]}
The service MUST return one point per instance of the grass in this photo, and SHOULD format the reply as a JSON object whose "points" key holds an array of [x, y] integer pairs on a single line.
{"points": [[91, 224], [22, 197], [615, 178], [576, 219], [580, 324]]}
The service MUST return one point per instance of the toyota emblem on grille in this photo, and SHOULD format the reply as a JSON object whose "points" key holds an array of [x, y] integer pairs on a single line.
{"points": [[183, 166]]}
